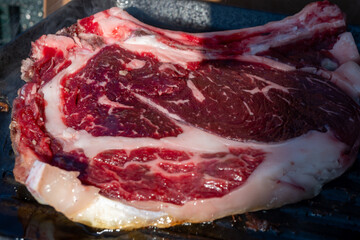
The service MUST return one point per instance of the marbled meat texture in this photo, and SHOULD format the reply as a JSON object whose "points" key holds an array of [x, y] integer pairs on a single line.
{"points": [[170, 124]]}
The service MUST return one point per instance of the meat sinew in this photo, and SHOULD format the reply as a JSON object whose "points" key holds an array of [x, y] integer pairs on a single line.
{"points": [[124, 125]]}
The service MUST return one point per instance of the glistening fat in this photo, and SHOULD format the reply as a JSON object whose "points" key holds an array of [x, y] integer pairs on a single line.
{"points": [[124, 125]]}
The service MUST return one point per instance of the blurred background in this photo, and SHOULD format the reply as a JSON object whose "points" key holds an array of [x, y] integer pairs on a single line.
{"points": [[18, 15]]}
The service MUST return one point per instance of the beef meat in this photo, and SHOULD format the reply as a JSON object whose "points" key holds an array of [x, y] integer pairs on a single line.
{"points": [[124, 125]]}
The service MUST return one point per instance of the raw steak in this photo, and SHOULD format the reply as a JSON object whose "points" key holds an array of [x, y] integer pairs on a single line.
{"points": [[124, 125]]}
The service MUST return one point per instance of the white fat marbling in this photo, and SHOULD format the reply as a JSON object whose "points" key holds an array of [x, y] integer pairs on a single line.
{"points": [[292, 170]]}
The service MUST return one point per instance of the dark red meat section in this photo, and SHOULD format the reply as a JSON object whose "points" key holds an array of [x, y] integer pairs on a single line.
{"points": [[134, 119], [242, 101], [29, 114], [90, 26], [135, 176], [43, 70]]}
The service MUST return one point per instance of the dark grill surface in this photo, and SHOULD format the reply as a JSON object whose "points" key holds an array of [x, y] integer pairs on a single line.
{"points": [[334, 214]]}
